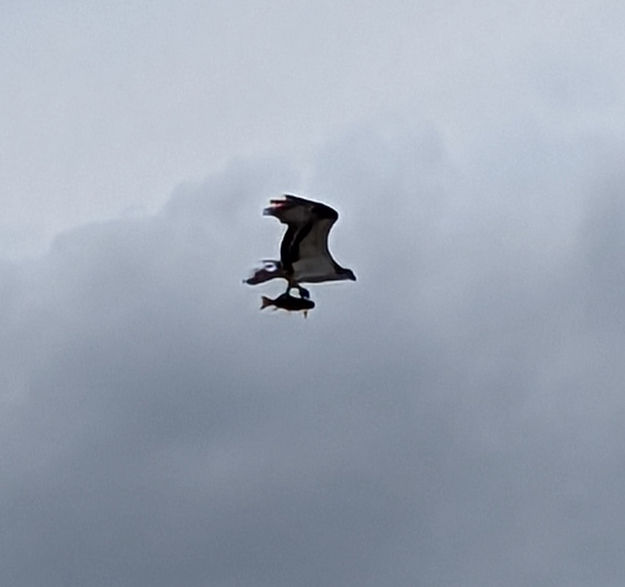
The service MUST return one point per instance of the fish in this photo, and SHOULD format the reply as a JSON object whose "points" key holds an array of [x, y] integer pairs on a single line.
{"points": [[289, 303]]}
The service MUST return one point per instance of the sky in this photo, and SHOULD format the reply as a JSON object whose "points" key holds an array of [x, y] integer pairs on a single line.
{"points": [[452, 418]]}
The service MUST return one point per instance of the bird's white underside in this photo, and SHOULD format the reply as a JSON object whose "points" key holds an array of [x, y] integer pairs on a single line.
{"points": [[314, 269]]}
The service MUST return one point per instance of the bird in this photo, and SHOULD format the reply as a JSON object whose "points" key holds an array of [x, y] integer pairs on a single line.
{"points": [[304, 253]]}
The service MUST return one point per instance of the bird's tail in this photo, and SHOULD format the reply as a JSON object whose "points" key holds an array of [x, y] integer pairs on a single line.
{"points": [[264, 302], [269, 270]]}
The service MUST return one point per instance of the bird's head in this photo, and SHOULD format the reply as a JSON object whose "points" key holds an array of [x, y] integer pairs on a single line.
{"points": [[349, 274]]}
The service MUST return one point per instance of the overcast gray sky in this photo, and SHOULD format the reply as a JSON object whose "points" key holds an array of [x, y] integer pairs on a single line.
{"points": [[453, 418]]}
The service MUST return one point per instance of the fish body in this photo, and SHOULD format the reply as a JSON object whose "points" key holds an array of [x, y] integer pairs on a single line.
{"points": [[289, 303]]}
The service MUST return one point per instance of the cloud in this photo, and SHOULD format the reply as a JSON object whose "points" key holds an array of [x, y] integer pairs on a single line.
{"points": [[452, 418]]}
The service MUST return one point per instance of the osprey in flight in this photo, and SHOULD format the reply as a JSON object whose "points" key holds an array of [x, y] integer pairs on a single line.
{"points": [[304, 254]]}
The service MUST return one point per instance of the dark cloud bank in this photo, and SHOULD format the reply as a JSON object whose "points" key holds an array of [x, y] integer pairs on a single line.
{"points": [[453, 418]]}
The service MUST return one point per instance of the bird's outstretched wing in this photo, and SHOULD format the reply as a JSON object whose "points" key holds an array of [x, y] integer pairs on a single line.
{"points": [[305, 242]]}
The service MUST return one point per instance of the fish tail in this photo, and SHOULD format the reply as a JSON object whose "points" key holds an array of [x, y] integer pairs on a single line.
{"points": [[265, 301]]}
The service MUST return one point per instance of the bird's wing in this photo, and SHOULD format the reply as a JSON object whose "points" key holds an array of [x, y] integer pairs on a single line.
{"points": [[311, 241], [308, 224], [291, 210]]}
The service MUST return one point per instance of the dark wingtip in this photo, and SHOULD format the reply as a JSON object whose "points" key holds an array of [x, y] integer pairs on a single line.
{"points": [[274, 205]]}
